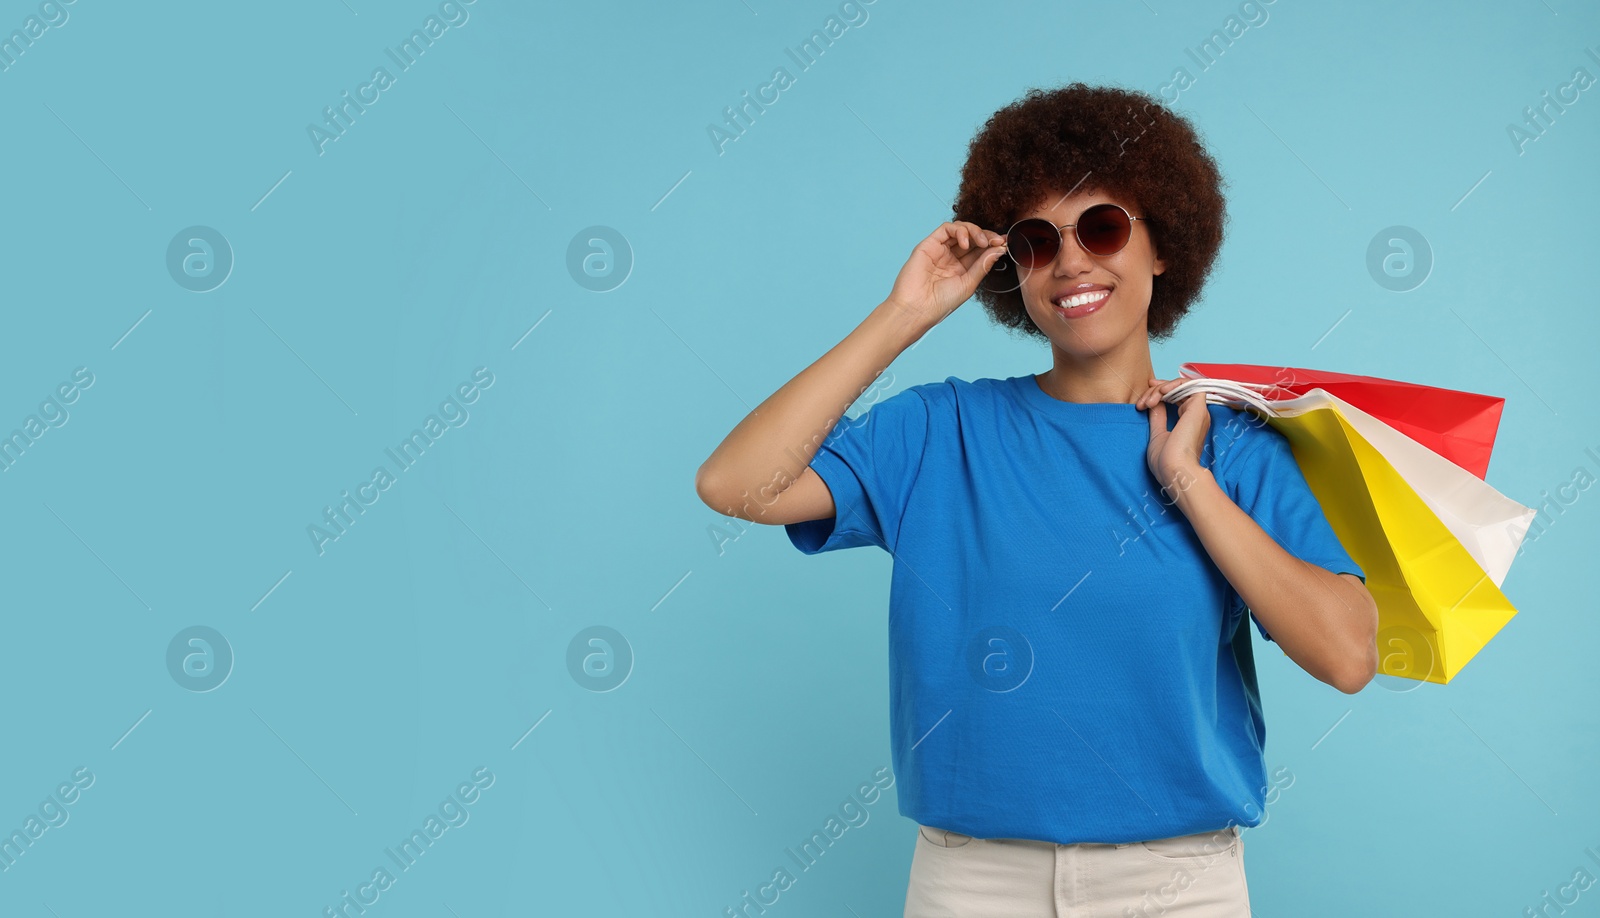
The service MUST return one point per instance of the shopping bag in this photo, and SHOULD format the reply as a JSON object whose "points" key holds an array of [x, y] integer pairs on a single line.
{"points": [[1437, 605], [1459, 426], [1489, 525]]}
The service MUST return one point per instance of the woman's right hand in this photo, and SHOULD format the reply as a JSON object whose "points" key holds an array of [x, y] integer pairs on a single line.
{"points": [[944, 270]]}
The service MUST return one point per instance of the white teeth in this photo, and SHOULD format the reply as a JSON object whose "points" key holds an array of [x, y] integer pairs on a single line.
{"points": [[1082, 298]]}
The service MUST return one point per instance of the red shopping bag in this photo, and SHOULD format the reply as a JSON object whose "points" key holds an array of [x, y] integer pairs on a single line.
{"points": [[1459, 426]]}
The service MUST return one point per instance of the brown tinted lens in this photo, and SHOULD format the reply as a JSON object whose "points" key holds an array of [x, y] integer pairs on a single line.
{"points": [[1002, 276], [1104, 229], [1033, 243]]}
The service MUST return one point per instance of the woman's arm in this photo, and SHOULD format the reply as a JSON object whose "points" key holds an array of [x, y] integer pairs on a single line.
{"points": [[768, 455], [1325, 622], [771, 449]]}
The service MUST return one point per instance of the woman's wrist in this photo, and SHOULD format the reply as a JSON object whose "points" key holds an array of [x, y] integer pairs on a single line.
{"points": [[1185, 483], [904, 326]]}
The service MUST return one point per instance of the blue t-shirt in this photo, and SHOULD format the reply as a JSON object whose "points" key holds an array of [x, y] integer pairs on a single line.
{"points": [[1066, 663]]}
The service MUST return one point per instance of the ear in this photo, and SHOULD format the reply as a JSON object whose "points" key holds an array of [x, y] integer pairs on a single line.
{"points": [[1159, 267]]}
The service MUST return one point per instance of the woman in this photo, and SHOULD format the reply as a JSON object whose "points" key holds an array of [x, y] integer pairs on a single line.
{"points": [[1075, 721]]}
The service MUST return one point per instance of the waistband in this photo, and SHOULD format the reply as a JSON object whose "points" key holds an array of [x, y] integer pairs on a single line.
{"points": [[952, 838]]}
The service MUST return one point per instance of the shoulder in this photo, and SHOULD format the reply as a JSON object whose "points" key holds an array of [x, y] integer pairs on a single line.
{"points": [[949, 398], [925, 409], [1241, 439], [903, 414], [953, 390], [918, 400], [933, 397]]}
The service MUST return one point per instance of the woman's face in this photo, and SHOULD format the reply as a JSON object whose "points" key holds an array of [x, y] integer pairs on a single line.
{"points": [[1094, 328]]}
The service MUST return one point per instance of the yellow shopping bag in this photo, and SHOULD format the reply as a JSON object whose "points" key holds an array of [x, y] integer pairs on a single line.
{"points": [[1436, 606]]}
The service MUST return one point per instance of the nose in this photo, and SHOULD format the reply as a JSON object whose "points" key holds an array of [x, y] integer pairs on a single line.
{"points": [[1073, 257]]}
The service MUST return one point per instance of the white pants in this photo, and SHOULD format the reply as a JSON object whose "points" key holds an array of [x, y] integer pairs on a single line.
{"points": [[1188, 876]]}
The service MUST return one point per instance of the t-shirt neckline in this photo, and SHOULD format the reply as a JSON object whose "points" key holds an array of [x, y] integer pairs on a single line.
{"points": [[1027, 388]]}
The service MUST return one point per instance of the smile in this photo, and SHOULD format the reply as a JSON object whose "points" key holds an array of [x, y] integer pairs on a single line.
{"points": [[1083, 304]]}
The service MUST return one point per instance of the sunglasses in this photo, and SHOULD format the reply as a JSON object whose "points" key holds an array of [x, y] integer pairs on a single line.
{"points": [[1035, 242]]}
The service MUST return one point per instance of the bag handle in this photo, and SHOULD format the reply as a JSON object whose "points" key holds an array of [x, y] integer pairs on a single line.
{"points": [[1224, 392]]}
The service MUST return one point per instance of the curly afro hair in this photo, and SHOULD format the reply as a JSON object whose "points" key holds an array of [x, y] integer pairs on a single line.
{"points": [[1120, 142]]}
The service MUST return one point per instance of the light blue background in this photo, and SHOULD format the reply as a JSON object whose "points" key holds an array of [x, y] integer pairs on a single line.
{"points": [[425, 643]]}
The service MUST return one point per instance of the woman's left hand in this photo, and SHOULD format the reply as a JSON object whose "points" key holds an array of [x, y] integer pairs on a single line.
{"points": [[1174, 455]]}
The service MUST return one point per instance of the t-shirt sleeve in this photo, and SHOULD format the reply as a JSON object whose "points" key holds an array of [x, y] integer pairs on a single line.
{"points": [[1270, 487], [869, 464]]}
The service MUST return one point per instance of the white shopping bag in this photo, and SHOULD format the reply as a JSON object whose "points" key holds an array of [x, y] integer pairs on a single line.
{"points": [[1489, 525]]}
